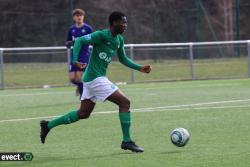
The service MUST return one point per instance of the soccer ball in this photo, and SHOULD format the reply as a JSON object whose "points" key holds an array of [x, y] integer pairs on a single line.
{"points": [[179, 137]]}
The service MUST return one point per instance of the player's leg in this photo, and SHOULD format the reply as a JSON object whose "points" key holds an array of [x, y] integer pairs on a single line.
{"points": [[78, 79], [83, 112], [72, 76], [124, 114], [75, 75], [125, 119]]}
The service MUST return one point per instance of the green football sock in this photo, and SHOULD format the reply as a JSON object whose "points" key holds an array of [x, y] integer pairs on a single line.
{"points": [[65, 119], [125, 120]]}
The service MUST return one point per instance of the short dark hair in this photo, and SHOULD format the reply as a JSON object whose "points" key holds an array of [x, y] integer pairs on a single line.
{"points": [[78, 12], [115, 16]]}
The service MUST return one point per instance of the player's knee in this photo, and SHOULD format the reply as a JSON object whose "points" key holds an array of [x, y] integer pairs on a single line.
{"points": [[125, 104], [72, 80], [83, 115], [76, 80]]}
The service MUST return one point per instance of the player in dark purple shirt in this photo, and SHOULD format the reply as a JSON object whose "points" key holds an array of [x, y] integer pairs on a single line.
{"points": [[77, 30]]}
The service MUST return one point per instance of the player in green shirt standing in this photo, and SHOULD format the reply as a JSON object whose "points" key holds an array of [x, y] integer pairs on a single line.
{"points": [[106, 43]]}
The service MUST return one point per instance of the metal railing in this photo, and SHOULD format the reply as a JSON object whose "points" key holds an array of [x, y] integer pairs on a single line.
{"points": [[131, 48]]}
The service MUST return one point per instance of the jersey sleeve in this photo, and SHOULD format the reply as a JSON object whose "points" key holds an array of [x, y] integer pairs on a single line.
{"points": [[125, 60], [91, 39], [90, 29], [69, 35]]}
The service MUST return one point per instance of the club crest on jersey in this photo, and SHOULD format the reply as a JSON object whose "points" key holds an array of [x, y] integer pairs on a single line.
{"points": [[103, 56], [87, 37], [83, 31]]}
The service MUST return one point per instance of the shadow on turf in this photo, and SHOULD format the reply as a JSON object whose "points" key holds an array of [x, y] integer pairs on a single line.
{"points": [[42, 160], [172, 152]]}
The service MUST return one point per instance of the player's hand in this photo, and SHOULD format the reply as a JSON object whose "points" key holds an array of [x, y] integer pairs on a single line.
{"points": [[146, 69], [68, 44], [81, 65]]}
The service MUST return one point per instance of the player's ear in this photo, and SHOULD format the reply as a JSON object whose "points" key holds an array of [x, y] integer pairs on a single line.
{"points": [[116, 22], [113, 23]]}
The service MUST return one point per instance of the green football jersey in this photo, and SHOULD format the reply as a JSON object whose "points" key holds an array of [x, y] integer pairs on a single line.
{"points": [[105, 46]]}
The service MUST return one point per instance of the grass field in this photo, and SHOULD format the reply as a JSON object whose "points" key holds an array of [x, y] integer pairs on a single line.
{"points": [[216, 113], [22, 74]]}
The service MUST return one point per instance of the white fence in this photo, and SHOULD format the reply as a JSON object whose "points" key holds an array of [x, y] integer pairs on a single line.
{"points": [[134, 50]]}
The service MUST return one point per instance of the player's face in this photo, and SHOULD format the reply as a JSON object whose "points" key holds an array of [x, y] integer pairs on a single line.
{"points": [[121, 25], [78, 18]]}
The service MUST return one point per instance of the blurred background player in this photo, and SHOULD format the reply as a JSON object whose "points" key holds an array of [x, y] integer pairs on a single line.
{"points": [[80, 28]]}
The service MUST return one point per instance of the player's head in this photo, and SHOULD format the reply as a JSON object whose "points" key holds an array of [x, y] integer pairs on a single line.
{"points": [[78, 16], [118, 22]]}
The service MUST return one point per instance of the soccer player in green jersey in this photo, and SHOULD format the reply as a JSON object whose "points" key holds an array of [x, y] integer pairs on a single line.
{"points": [[106, 43]]}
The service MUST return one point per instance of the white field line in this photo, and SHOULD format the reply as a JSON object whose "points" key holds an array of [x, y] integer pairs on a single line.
{"points": [[154, 109], [177, 109], [127, 89], [36, 94], [196, 104], [27, 119]]}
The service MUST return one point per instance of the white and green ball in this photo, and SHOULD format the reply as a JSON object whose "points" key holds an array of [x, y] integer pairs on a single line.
{"points": [[180, 137]]}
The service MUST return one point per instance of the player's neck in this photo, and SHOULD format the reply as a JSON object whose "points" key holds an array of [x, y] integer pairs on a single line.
{"points": [[79, 24], [112, 31]]}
